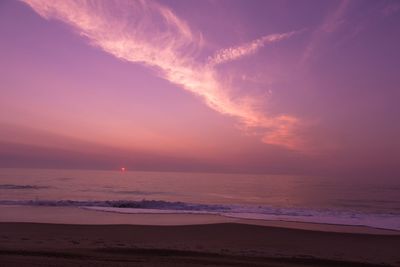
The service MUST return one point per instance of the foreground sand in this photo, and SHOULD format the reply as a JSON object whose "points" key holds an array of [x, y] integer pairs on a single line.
{"points": [[220, 244]]}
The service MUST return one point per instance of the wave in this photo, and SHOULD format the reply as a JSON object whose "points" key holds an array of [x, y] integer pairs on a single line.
{"points": [[142, 204], [15, 186], [143, 193], [260, 212]]}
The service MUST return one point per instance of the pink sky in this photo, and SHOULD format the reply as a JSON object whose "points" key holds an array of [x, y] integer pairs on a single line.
{"points": [[305, 87]]}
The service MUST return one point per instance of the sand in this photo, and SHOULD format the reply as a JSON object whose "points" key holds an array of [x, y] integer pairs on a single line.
{"points": [[75, 215], [203, 241], [222, 244]]}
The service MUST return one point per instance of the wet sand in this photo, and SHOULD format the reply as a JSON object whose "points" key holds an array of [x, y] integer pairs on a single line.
{"points": [[76, 215], [218, 244]]}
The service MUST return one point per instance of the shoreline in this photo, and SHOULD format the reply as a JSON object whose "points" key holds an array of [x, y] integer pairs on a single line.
{"points": [[83, 216], [222, 244]]}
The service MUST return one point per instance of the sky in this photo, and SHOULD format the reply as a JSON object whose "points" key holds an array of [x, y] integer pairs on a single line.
{"points": [[292, 87]]}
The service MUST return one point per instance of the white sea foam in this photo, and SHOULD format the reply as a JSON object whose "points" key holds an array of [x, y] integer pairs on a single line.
{"points": [[325, 216]]}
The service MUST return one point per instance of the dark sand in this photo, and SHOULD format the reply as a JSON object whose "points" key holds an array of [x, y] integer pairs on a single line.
{"points": [[223, 244]]}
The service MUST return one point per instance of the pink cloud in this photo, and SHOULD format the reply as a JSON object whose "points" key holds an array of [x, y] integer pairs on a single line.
{"points": [[148, 33], [233, 53]]}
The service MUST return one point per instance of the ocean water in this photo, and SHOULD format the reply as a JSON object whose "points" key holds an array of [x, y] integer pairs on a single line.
{"points": [[267, 197]]}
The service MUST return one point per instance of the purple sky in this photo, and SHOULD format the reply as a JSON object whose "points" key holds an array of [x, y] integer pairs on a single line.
{"points": [[302, 87]]}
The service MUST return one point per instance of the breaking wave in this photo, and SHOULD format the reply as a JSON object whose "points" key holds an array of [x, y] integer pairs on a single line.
{"points": [[260, 212], [16, 187]]}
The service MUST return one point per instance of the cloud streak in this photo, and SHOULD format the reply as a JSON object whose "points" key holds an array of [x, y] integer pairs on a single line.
{"points": [[332, 22], [151, 34], [233, 53]]}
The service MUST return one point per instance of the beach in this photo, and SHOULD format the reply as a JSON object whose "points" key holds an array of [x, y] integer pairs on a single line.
{"points": [[198, 240], [199, 133]]}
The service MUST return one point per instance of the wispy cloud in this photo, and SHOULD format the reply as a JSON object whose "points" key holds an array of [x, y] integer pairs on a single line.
{"points": [[236, 52], [331, 23], [151, 34], [391, 8]]}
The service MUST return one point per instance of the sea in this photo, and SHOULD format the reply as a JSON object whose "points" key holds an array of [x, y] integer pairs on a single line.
{"points": [[343, 201]]}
